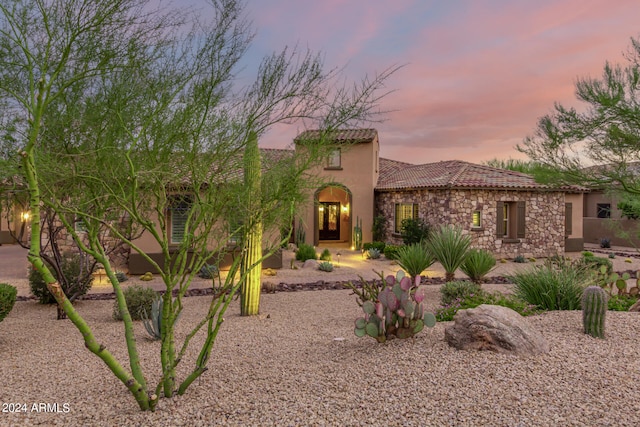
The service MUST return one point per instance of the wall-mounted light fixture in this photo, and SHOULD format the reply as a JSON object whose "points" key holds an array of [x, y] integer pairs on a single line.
{"points": [[24, 216]]}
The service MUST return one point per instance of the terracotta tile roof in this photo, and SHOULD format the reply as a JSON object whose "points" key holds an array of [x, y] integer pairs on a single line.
{"points": [[454, 174], [341, 135]]}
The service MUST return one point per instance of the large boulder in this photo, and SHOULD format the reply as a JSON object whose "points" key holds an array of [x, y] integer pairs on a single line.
{"points": [[495, 328]]}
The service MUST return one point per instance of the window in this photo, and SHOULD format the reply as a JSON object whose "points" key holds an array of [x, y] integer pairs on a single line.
{"points": [[334, 160], [80, 226], [476, 219], [510, 220], [235, 232], [404, 211], [603, 210], [178, 217]]}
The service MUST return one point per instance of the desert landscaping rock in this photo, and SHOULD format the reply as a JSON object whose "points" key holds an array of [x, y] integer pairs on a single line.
{"points": [[494, 328]]}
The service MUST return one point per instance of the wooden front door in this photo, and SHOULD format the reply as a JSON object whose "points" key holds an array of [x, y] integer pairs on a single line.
{"points": [[329, 221]]}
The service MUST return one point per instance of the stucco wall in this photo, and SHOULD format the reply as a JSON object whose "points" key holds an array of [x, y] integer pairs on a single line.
{"points": [[544, 225], [358, 174]]}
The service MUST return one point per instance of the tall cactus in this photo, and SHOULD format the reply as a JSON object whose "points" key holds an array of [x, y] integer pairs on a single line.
{"points": [[594, 309], [251, 266], [357, 234]]}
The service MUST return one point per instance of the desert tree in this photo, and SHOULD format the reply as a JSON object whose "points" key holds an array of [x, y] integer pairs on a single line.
{"points": [[597, 144], [122, 115]]}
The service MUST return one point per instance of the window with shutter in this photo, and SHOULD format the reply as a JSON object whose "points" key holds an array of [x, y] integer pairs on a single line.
{"points": [[568, 218], [511, 220], [179, 215], [404, 211]]}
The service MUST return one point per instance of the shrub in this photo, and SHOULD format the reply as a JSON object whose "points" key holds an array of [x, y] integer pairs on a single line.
{"points": [[595, 262], [391, 251], [478, 264], [76, 280], [449, 246], [208, 271], [414, 230], [587, 253], [7, 299], [448, 311], [379, 229], [550, 288], [374, 245], [121, 276], [373, 253], [414, 259], [621, 302], [605, 242], [451, 291], [325, 255], [325, 266], [138, 299], [520, 259], [306, 252], [612, 255]]}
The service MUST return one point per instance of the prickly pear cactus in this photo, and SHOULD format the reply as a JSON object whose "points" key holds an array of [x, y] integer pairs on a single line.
{"points": [[398, 312], [594, 310]]}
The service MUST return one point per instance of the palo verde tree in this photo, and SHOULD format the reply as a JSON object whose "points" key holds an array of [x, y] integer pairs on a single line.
{"points": [[597, 145], [126, 117]]}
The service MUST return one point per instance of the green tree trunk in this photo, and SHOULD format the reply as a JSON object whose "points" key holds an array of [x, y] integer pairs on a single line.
{"points": [[251, 268]]}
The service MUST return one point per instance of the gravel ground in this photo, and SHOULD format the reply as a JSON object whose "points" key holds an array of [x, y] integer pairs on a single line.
{"points": [[299, 363]]}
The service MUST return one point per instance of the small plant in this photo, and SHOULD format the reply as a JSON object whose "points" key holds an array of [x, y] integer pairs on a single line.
{"points": [[629, 260], [391, 252], [587, 253], [147, 277], [209, 271], [138, 298], [374, 245], [605, 243], [300, 235], [414, 230], [325, 255], [451, 291], [550, 287], [306, 252], [379, 229], [532, 259], [448, 311], [621, 302], [449, 245], [153, 323], [594, 310], [373, 253], [325, 266], [478, 264], [612, 255], [520, 259], [76, 279], [414, 259], [398, 312], [595, 263], [8, 295], [121, 276]]}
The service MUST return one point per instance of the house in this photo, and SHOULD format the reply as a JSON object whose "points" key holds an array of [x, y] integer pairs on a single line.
{"points": [[505, 212], [604, 219]]}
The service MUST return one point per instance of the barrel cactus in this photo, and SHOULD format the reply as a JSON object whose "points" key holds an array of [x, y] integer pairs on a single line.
{"points": [[594, 309], [397, 313]]}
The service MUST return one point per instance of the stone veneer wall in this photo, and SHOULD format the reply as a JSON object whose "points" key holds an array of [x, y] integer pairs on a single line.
{"points": [[544, 226]]}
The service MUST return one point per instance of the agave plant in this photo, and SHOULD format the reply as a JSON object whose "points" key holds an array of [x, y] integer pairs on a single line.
{"points": [[414, 259], [449, 246], [477, 264]]}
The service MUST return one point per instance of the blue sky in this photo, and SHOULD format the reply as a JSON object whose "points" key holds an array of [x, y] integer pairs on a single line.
{"points": [[477, 75]]}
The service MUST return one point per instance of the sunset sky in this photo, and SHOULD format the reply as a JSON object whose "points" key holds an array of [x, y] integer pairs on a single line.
{"points": [[478, 73]]}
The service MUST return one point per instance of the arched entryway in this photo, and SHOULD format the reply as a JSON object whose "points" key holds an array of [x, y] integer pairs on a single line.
{"points": [[332, 215]]}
